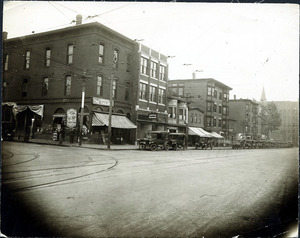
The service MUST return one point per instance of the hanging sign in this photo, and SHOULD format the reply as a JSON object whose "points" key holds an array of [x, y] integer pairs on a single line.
{"points": [[101, 101], [71, 117]]}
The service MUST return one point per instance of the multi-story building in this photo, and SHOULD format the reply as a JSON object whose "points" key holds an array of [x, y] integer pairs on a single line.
{"points": [[209, 94], [289, 129], [196, 117], [178, 114], [46, 75], [244, 112], [151, 98]]}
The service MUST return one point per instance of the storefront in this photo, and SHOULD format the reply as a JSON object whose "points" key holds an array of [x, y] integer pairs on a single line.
{"points": [[121, 128]]}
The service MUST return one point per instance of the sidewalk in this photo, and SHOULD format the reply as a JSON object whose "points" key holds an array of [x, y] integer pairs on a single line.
{"points": [[100, 146]]}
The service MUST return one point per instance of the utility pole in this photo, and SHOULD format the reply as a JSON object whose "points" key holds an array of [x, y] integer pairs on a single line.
{"points": [[84, 77], [110, 111]]}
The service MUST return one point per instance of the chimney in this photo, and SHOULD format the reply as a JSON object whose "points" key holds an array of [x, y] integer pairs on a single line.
{"points": [[78, 19], [4, 35]]}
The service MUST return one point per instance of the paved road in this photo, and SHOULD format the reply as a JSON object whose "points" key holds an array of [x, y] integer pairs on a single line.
{"points": [[77, 192]]}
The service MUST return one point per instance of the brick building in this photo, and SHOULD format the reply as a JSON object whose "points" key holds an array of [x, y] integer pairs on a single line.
{"points": [[48, 70], [209, 94], [243, 114]]}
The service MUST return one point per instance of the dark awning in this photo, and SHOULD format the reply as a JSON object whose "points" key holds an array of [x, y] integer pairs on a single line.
{"points": [[117, 121]]}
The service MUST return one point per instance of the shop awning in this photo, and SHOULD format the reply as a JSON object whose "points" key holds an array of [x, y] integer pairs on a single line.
{"points": [[117, 121], [59, 115], [216, 135], [199, 132], [38, 109]]}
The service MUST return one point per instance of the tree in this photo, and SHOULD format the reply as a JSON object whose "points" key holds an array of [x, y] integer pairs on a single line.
{"points": [[270, 117]]}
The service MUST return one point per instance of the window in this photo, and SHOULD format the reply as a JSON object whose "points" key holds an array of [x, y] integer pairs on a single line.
{"points": [[144, 65], [47, 57], [215, 93], [225, 96], [143, 90], [170, 112], [192, 117], [220, 95], [116, 58], [45, 86], [180, 114], [162, 71], [24, 87], [27, 59], [128, 62], [68, 82], [152, 94], [208, 121], [209, 91], [220, 123], [6, 62], [99, 85], [153, 69], [161, 96], [114, 89], [180, 92], [101, 53], [224, 124], [70, 54], [220, 109], [215, 122], [196, 118], [215, 107], [208, 106], [225, 110]]}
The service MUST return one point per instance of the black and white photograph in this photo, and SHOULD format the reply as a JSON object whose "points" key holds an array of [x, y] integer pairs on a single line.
{"points": [[150, 119]]}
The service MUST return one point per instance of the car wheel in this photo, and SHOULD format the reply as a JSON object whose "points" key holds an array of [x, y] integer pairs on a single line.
{"points": [[141, 147], [153, 147], [174, 147]]}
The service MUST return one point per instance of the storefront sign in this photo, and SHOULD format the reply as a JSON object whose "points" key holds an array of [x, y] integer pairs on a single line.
{"points": [[152, 116], [71, 118], [101, 101]]}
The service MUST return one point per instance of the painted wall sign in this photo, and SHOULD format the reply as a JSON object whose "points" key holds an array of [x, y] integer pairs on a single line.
{"points": [[152, 116], [101, 101], [71, 117]]}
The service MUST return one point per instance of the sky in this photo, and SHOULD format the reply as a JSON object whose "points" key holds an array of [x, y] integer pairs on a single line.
{"points": [[246, 46]]}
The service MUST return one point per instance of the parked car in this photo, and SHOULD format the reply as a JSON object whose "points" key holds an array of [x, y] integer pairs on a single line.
{"points": [[155, 140], [177, 140], [8, 134], [204, 143]]}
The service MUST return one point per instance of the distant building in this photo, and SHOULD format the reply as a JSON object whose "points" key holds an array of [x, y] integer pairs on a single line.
{"points": [[178, 114], [209, 94], [289, 129], [196, 117], [245, 114]]}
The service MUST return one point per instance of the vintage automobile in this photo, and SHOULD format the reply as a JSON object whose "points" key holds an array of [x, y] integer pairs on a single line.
{"points": [[177, 140], [155, 140], [204, 143]]}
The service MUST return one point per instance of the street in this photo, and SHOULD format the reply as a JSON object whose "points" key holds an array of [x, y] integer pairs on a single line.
{"points": [[79, 192]]}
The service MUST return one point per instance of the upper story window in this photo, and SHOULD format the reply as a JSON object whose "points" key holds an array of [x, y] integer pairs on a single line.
{"points": [[114, 89], [27, 59], [144, 66], [152, 94], [99, 86], [129, 57], [24, 87], [162, 72], [101, 53], [215, 107], [47, 57], [6, 62], [220, 95], [225, 96], [215, 93], [220, 109], [153, 69], [161, 96], [45, 86], [68, 83], [208, 107], [180, 91], [116, 58], [143, 91], [192, 118], [209, 91], [70, 53]]}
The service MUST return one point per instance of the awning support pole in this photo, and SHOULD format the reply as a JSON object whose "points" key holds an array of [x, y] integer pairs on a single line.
{"points": [[110, 112]]}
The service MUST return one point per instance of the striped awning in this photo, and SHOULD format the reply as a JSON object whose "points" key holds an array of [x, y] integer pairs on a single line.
{"points": [[117, 121], [216, 135], [199, 132]]}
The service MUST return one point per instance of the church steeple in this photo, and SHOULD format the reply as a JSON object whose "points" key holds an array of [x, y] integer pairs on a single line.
{"points": [[263, 95]]}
